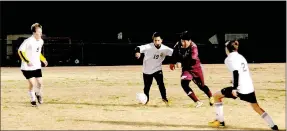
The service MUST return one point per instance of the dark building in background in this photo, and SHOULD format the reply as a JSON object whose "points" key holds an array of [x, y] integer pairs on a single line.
{"points": [[94, 28]]}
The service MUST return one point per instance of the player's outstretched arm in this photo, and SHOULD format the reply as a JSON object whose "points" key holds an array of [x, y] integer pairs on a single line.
{"points": [[168, 52], [174, 56], [141, 49], [137, 52]]}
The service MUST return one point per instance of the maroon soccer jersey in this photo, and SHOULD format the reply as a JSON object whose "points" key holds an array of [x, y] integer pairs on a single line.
{"points": [[188, 57]]}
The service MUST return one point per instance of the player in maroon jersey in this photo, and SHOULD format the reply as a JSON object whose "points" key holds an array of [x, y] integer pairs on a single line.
{"points": [[186, 53]]}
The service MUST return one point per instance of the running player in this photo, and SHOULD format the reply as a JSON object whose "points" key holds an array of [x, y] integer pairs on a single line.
{"points": [[154, 55], [242, 86], [186, 53], [31, 56]]}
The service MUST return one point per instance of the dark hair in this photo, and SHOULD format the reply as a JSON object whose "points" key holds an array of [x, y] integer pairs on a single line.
{"points": [[156, 34], [232, 45], [185, 35], [35, 26]]}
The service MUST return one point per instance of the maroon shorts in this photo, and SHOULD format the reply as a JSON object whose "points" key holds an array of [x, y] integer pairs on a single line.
{"points": [[195, 75]]}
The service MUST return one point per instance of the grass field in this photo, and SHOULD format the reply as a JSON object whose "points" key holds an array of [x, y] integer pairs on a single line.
{"points": [[98, 98]]}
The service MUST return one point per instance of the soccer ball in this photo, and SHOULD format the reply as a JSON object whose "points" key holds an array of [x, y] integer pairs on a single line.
{"points": [[141, 97]]}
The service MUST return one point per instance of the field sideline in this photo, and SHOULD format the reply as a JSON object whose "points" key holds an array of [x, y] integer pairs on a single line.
{"points": [[103, 98]]}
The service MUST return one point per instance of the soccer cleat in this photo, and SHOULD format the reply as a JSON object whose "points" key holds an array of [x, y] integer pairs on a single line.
{"points": [[216, 124], [39, 98], [34, 104], [167, 103], [211, 101], [275, 127], [198, 104]]}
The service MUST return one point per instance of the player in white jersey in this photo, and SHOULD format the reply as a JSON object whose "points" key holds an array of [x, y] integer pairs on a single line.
{"points": [[242, 86], [154, 55], [31, 56]]}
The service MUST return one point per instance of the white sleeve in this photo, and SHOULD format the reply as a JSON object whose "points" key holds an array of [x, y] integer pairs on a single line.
{"points": [[169, 51], [144, 48], [23, 46]]}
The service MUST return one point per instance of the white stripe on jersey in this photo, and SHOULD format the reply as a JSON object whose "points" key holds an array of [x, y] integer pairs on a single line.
{"points": [[32, 48], [154, 57], [236, 61]]}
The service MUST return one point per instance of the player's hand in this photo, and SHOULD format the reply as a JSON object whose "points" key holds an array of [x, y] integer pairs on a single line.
{"points": [[138, 55], [178, 65], [46, 63], [234, 93], [171, 66], [30, 64]]}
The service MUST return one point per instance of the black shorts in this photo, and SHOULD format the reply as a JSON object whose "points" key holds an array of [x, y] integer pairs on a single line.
{"points": [[32, 73], [251, 97]]}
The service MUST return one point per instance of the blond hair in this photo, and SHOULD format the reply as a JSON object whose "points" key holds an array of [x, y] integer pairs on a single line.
{"points": [[35, 26]]}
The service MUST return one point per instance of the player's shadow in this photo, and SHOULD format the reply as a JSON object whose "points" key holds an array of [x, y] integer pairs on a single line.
{"points": [[100, 104], [142, 124], [156, 124]]}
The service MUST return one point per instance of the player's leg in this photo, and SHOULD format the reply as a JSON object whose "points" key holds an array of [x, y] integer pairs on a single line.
{"points": [[147, 84], [219, 119], [29, 75], [251, 98], [188, 90], [159, 79], [39, 89], [264, 116], [186, 77], [198, 79]]}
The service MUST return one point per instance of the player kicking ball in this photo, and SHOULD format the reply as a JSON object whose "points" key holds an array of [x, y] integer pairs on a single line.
{"points": [[31, 56], [242, 86], [155, 54], [186, 53]]}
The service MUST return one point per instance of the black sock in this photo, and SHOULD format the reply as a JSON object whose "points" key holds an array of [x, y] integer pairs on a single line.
{"points": [[188, 90], [206, 90]]}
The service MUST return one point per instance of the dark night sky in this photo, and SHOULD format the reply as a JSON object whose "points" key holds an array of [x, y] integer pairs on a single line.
{"points": [[87, 19]]}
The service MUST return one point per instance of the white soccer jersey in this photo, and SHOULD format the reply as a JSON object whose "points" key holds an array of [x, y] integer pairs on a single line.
{"points": [[32, 49], [236, 61], [154, 57]]}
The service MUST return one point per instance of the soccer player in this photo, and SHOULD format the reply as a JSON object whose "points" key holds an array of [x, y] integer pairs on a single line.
{"points": [[242, 86], [186, 53], [31, 56], [154, 55]]}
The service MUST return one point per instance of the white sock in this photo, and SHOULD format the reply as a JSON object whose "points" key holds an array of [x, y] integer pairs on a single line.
{"points": [[268, 119], [219, 111], [32, 95]]}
